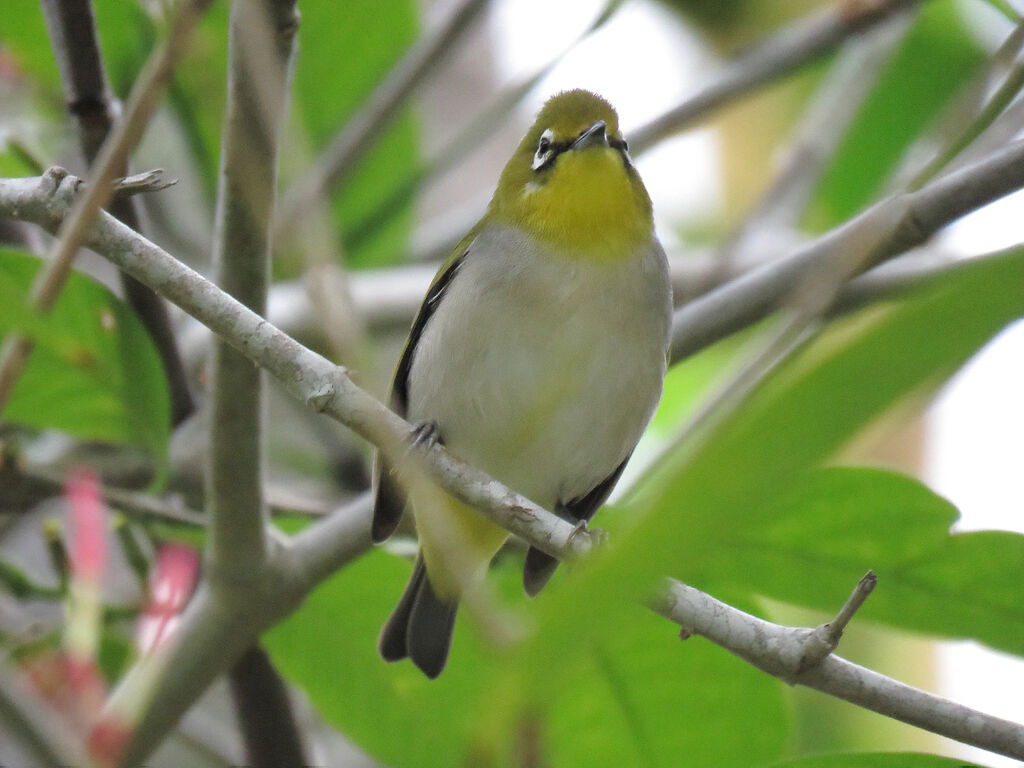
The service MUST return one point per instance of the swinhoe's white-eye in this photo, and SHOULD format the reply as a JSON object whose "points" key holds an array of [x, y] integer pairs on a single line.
{"points": [[538, 356]]}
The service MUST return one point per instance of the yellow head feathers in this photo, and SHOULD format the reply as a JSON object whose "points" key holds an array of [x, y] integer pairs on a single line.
{"points": [[571, 183]]}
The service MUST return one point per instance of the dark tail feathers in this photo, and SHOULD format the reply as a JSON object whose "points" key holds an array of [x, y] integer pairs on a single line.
{"points": [[421, 625]]}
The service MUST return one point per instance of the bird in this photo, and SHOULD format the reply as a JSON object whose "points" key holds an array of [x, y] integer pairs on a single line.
{"points": [[538, 355]]}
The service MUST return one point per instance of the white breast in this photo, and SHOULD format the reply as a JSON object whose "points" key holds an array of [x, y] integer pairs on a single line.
{"points": [[541, 370]]}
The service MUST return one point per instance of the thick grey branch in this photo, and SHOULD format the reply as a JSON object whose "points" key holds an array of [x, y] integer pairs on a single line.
{"points": [[780, 651], [259, 52], [261, 40]]}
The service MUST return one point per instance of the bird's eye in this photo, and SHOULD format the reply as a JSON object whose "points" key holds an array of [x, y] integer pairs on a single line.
{"points": [[546, 151]]}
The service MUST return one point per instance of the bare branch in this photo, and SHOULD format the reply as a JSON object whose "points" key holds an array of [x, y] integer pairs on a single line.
{"points": [[836, 103], [782, 53], [366, 126], [261, 42], [83, 73], [780, 652], [1003, 96], [897, 223], [956, 122]]}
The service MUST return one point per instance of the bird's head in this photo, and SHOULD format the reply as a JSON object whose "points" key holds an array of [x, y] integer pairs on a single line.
{"points": [[571, 182]]}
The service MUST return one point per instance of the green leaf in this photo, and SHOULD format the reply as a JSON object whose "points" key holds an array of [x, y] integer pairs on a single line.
{"points": [[936, 58], [638, 697], [823, 534], [338, 68], [24, 36], [875, 760], [642, 697], [94, 372], [329, 647]]}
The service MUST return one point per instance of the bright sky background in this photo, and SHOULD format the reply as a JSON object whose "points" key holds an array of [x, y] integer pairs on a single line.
{"points": [[645, 60]]}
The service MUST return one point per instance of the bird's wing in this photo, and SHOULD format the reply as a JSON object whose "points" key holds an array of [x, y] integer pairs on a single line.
{"points": [[390, 500], [539, 565]]}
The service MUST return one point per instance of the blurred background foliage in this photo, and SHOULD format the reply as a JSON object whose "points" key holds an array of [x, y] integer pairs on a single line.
{"points": [[766, 511]]}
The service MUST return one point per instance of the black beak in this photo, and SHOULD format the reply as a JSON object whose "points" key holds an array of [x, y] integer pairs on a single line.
{"points": [[594, 136]]}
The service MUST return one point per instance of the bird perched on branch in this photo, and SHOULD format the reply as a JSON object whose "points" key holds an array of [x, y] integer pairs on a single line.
{"points": [[538, 355]]}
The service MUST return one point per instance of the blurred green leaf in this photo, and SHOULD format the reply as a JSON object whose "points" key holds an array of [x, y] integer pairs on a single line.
{"points": [[329, 647], [341, 61], [823, 534], [875, 760], [640, 697], [935, 59], [23, 34], [94, 372]]}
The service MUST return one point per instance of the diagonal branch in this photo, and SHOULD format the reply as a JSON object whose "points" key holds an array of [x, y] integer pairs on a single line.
{"points": [[73, 37], [898, 223], [113, 155], [365, 127], [780, 651], [780, 54]]}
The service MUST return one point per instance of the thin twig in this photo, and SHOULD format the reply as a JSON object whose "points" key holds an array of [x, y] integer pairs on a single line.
{"points": [[1003, 96], [836, 102], [835, 628], [367, 125], [783, 52], [113, 156], [956, 119], [906, 220]]}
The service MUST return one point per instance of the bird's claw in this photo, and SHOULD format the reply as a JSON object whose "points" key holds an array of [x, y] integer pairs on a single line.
{"points": [[597, 536], [424, 434]]}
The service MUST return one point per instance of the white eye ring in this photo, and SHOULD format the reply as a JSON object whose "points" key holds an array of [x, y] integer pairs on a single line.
{"points": [[545, 150]]}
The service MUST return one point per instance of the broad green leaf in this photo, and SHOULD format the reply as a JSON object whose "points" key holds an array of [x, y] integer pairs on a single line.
{"points": [[936, 58], [640, 697], [825, 532], [94, 372], [875, 760], [329, 647]]}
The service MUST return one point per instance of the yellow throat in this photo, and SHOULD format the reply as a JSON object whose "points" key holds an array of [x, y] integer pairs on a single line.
{"points": [[586, 200]]}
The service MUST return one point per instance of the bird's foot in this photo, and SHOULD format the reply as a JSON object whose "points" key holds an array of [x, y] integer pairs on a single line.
{"points": [[598, 536], [425, 434]]}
